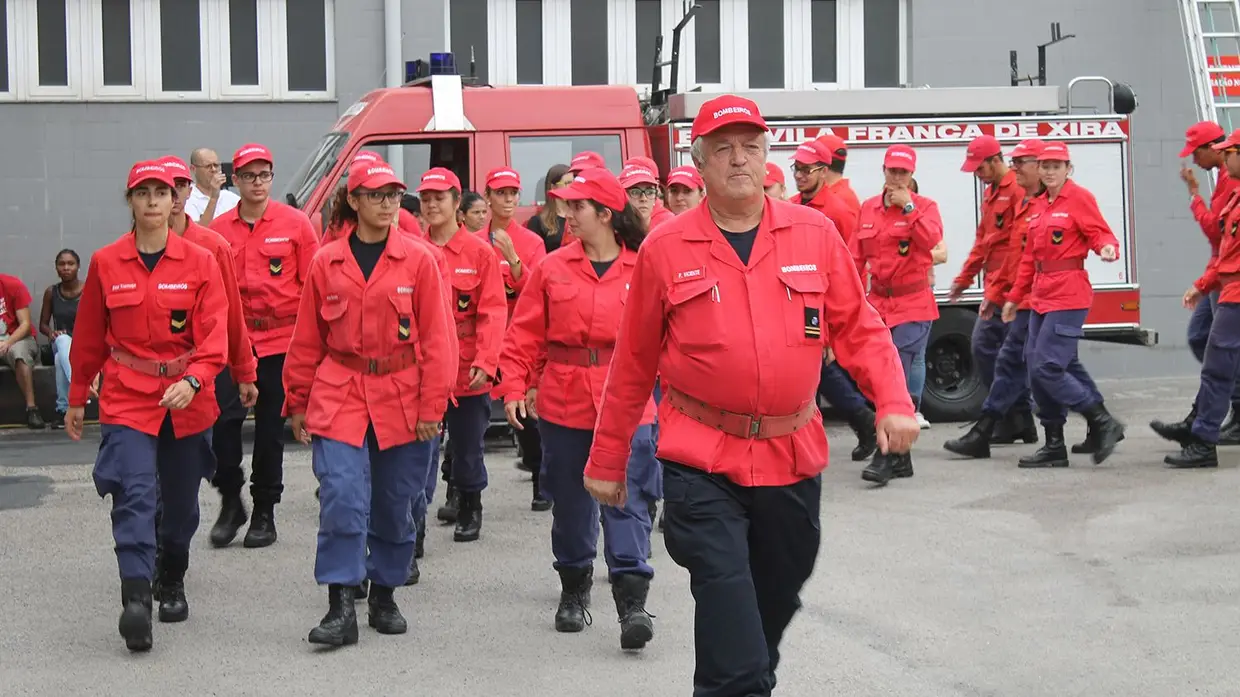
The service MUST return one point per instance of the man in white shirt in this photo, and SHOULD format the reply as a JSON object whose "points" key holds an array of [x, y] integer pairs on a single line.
{"points": [[208, 199]]}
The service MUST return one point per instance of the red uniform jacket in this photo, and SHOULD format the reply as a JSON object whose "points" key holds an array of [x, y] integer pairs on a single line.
{"points": [[1222, 273], [530, 250], [241, 361], [691, 317], [565, 305], [1065, 229], [991, 247], [1210, 218], [156, 316], [659, 215], [344, 314], [898, 249], [839, 203], [272, 260], [478, 305], [999, 283]]}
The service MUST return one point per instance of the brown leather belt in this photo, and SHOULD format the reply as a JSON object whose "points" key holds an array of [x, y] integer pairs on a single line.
{"points": [[263, 323], [748, 426], [898, 291], [466, 328], [401, 359], [1053, 265], [1226, 279], [579, 355], [148, 366]]}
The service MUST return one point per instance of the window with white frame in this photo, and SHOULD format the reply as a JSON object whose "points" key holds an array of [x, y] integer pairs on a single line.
{"points": [[167, 50]]}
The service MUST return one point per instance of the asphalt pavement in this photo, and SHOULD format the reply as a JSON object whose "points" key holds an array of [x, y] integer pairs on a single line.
{"points": [[973, 579]]}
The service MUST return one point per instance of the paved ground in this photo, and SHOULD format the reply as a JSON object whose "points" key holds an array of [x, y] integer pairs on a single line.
{"points": [[972, 579]]}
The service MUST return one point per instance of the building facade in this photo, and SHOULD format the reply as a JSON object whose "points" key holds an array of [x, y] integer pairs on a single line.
{"points": [[89, 86]]}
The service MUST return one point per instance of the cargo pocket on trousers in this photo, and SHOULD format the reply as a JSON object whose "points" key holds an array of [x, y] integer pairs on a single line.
{"points": [[107, 470]]}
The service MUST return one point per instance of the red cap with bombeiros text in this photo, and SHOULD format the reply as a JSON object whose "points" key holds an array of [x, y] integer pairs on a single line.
{"points": [[1200, 135], [900, 157], [503, 178], [439, 179], [1055, 150], [1232, 141], [149, 170], [251, 153], [686, 176], [644, 163], [176, 167], [637, 174], [1027, 148], [595, 184], [836, 144], [367, 156], [725, 110], [586, 160], [372, 176], [774, 175], [811, 152], [981, 149]]}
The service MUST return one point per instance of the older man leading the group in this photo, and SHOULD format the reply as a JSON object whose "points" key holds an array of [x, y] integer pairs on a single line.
{"points": [[733, 304]]}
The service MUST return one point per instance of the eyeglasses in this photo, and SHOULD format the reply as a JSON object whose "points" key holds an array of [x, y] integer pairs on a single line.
{"points": [[645, 192], [802, 169], [1021, 161], [381, 196], [212, 166], [250, 177]]}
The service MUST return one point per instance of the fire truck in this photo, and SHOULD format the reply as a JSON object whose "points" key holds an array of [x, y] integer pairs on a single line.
{"points": [[445, 121]]}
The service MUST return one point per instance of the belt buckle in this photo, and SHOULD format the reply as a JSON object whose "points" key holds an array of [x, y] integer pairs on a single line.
{"points": [[372, 366], [755, 426], [592, 356], [162, 369]]}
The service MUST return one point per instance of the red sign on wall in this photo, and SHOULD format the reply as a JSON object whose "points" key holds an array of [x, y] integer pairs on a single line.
{"points": [[1224, 75]]}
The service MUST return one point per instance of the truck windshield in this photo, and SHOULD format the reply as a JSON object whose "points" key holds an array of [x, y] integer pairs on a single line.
{"points": [[312, 170]]}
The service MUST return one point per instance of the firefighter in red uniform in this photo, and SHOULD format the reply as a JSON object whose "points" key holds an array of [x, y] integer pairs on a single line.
{"points": [[586, 159], [741, 439], [1199, 142], [1002, 198], [642, 186], [371, 340], [272, 245], [155, 313], [560, 345], [480, 313], [520, 249], [844, 206], [684, 189], [775, 184], [896, 236], [1052, 274]]}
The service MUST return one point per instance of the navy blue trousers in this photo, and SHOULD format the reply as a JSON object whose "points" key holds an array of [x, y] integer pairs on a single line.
{"points": [[1219, 370], [837, 386], [1060, 383], [140, 472], [1199, 324], [467, 423], [421, 502], [1009, 387], [575, 515], [365, 525]]}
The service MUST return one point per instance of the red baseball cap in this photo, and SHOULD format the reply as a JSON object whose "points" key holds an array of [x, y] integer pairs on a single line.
{"points": [[1200, 135], [1232, 141], [372, 175], [980, 149], [774, 175], [1027, 148], [503, 178], [686, 176], [836, 144], [635, 174], [252, 152], [644, 163], [900, 157], [1054, 150], [367, 156], [812, 152], [176, 166], [595, 184], [439, 179], [586, 160], [724, 111], [149, 170]]}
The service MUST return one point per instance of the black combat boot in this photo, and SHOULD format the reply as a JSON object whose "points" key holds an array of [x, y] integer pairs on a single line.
{"points": [[636, 627], [339, 625], [419, 545], [902, 466], [1196, 453], [156, 579], [1018, 425], [232, 517], [451, 505], [469, 519], [385, 617], [1109, 431], [975, 443], [573, 614], [1053, 454], [173, 607], [360, 590], [415, 574], [262, 532], [1090, 444], [862, 424], [539, 502], [1229, 434], [135, 622], [880, 468]]}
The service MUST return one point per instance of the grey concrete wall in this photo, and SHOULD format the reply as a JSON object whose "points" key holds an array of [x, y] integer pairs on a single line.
{"points": [[966, 42]]}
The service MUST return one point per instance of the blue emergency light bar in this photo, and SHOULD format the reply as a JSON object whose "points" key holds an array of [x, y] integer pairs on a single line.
{"points": [[443, 64]]}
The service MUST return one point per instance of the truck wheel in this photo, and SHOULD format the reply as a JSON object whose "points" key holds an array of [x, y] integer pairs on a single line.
{"points": [[954, 388]]}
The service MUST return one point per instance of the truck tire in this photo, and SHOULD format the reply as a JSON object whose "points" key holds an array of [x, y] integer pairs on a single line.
{"points": [[954, 388]]}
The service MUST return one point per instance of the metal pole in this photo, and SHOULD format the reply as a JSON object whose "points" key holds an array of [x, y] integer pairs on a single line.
{"points": [[394, 69]]}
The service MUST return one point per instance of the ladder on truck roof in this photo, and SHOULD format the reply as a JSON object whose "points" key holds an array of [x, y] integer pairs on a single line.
{"points": [[1212, 37]]}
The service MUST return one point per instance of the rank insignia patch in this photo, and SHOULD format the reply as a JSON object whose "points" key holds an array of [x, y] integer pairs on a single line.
{"points": [[904, 247], [1057, 237], [178, 322], [813, 330], [402, 329], [462, 302], [275, 266]]}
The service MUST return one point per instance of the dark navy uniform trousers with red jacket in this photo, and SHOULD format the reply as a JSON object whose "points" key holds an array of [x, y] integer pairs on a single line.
{"points": [[1199, 325], [1219, 370], [1060, 383], [990, 341], [1009, 385], [467, 422], [141, 472], [575, 515]]}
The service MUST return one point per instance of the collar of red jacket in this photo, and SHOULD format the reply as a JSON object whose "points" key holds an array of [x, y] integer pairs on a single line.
{"points": [[1069, 188], [575, 255], [1008, 181], [175, 248], [394, 248], [703, 227]]}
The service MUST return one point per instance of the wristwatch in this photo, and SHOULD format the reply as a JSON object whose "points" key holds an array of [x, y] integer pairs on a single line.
{"points": [[193, 382], [909, 208]]}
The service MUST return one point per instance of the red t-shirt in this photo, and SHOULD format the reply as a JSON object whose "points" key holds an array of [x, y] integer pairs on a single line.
{"points": [[13, 297]]}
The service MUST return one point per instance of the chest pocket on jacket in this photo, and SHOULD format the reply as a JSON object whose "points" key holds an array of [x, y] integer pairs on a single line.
{"points": [[803, 320], [404, 317], [333, 311], [465, 288], [127, 315], [279, 257], [562, 311], [867, 239], [177, 306], [696, 318]]}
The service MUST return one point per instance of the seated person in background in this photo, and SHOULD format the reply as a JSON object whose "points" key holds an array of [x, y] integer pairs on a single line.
{"points": [[18, 349], [60, 304]]}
